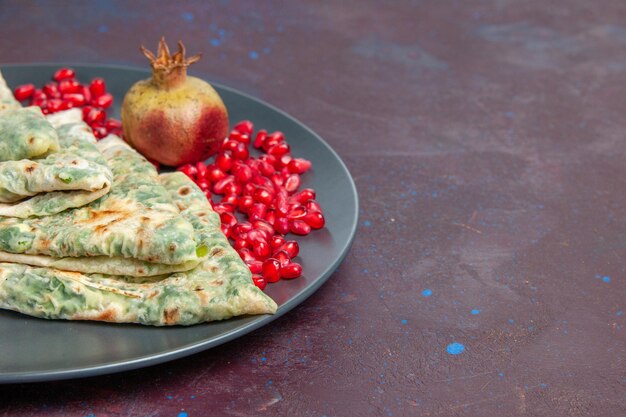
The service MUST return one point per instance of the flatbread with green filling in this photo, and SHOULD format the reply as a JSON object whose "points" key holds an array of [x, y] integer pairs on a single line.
{"points": [[7, 101]]}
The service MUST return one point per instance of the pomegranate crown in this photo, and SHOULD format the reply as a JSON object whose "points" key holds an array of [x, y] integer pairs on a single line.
{"points": [[166, 62]]}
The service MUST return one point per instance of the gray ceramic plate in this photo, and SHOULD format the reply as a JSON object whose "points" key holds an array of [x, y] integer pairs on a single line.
{"points": [[39, 350]]}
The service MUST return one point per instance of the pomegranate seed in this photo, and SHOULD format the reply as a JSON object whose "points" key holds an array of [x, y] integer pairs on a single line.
{"points": [[271, 270], [246, 255], [303, 196], [255, 266], [201, 170], [241, 228], [97, 87], [189, 170], [225, 230], [224, 161], [299, 227], [260, 138], [229, 145], [261, 249], [207, 194], [263, 182], [291, 247], [261, 195], [69, 86], [299, 212], [281, 225], [104, 101], [263, 225], [95, 116], [54, 105], [230, 199], [277, 180], [243, 173], [249, 189], [278, 150], [214, 174], [269, 159], [284, 160], [232, 188], [86, 110], [63, 73], [277, 241], [266, 168], [257, 211], [259, 281], [203, 184], [284, 171], [75, 98], [282, 257], [241, 152], [280, 204], [270, 216], [315, 219], [51, 90], [292, 183], [245, 203], [65, 105], [258, 235], [299, 166], [86, 93], [99, 131], [228, 219], [291, 270], [24, 92], [220, 186], [245, 126], [112, 124], [240, 243], [223, 207], [312, 205], [272, 140]]}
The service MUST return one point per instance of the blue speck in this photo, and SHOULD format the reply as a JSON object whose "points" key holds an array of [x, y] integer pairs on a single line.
{"points": [[367, 223], [606, 278], [182, 414], [253, 55], [404, 321], [187, 16], [103, 29], [543, 385], [169, 397], [511, 321], [501, 374], [192, 397], [263, 359], [475, 311], [215, 42], [455, 348], [427, 293], [619, 313]]}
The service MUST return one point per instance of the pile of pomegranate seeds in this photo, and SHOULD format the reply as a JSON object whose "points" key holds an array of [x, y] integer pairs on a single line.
{"points": [[265, 190], [65, 92]]}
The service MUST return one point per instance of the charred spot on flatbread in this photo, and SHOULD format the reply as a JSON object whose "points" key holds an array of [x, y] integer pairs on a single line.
{"points": [[170, 316], [184, 190]]}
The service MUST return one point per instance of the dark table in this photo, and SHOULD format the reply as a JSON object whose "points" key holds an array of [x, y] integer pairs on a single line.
{"points": [[488, 143]]}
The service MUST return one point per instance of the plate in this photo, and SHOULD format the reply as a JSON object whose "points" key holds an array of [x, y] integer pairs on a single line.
{"points": [[33, 349]]}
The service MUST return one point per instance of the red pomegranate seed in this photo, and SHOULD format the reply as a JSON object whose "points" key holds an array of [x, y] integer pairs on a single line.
{"points": [[63, 73], [262, 195], [104, 101], [299, 166], [245, 126], [266, 168], [315, 219], [54, 105], [95, 116], [69, 86], [51, 90], [225, 230], [230, 199], [272, 140], [86, 93], [113, 124], [220, 186], [276, 242], [223, 207], [224, 161], [203, 184], [292, 183], [259, 138], [239, 243], [246, 255], [241, 228], [99, 131], [277, 180], [24, 92], [270, 216], [39, 95], [237, 136], [256, 267], [282, 257], [279, 149], [189, 170], [243, 173], [86, 110], [291, 247], [258, 235], [261, 249], [303, 196], [245, 203], [201, 169], [208, 195], [259, 281], [291, 270], [232, 188], [249, 189], [229, 145], [298, 212], [271, 270], [257, 211], [284, 160], [214, 174], [228, 219], [313, 205], [241, 152], [97, 87], [263, 225], [76, 99], [281, 225], [299, 227]]}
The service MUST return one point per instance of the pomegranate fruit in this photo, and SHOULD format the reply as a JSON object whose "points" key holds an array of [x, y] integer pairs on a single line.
{"points": [[173, 118]]}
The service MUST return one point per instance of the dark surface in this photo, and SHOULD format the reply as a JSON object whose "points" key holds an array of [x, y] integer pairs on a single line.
{"points": [[139, 346], [487, 141]]}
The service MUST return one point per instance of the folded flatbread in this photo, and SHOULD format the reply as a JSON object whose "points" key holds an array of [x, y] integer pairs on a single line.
{"points": [[25, 134], [137, 220], [219, 288], [7, 101]]}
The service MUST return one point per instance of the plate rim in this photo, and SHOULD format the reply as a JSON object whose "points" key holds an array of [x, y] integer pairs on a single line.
{"points": [[204, 344]]}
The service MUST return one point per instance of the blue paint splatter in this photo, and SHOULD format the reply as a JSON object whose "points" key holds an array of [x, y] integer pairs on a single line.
{"points": [[606, 279], [215, 42], [367, 223], [404, 321], [182, 414], [253, 55], [455, 348], [475, 311], [187, 16], [427, 293], [103, 29]]}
